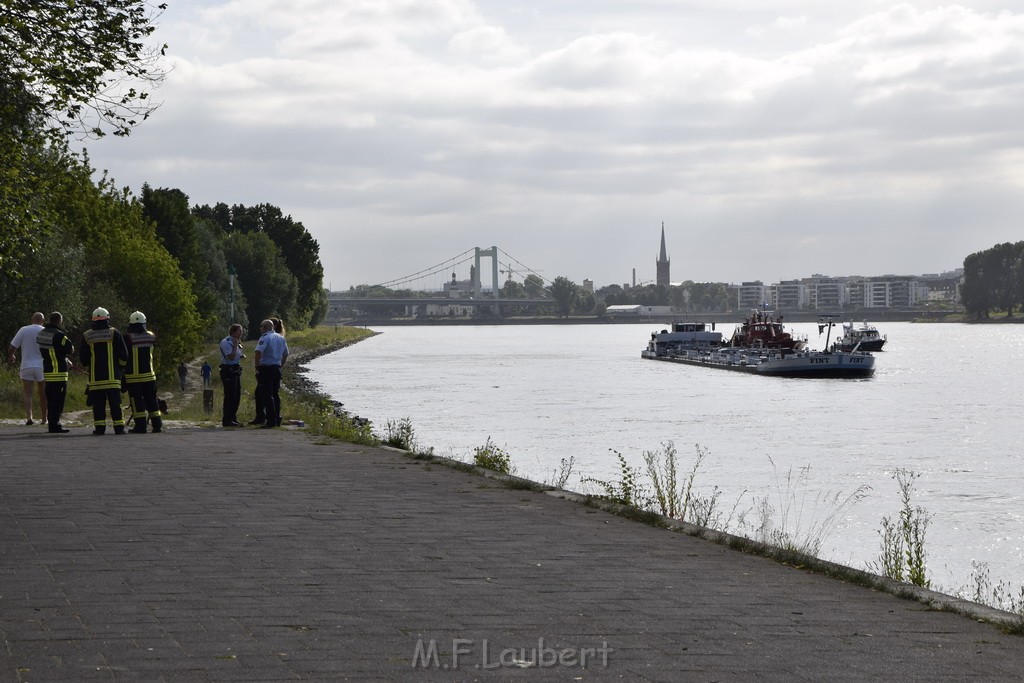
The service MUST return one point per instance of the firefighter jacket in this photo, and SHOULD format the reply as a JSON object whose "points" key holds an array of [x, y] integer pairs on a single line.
{"points": [[105, 354], [140, 367], [54, 347]]}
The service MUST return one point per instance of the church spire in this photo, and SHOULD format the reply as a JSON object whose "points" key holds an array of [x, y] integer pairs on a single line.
{"points": [[662, 266]]}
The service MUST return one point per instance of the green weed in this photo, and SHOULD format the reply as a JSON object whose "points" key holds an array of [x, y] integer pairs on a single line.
{"points": [[903, 556], [680, 502], [560, 477], [627, 490], [492, 457]]}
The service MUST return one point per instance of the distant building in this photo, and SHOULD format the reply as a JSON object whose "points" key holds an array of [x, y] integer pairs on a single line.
{"points": [[751, 295], [662, 264]]}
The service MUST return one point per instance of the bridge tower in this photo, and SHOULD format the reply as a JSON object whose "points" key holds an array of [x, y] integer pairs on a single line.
{"points": [[493, 254]]}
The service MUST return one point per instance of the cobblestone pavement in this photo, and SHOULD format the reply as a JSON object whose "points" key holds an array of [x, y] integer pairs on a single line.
{"points": [[210, 554]]}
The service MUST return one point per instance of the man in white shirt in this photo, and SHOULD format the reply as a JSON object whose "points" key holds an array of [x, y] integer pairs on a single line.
{"points": [[31, 372]]}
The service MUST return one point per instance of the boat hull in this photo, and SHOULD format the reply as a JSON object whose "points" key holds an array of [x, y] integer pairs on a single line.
{"points": [[811, 364]]}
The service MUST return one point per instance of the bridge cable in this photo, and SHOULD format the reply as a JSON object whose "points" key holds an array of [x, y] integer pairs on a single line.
{"points": [[427, 272]]}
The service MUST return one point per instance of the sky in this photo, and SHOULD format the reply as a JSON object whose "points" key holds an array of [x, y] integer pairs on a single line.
{"points": [[773, 139]]}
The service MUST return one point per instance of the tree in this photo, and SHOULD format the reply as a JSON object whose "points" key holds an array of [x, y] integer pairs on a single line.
{"points": [[300, 251], [513, 290], [263, 275], [79, 62], [563, 291], [534, 286]]}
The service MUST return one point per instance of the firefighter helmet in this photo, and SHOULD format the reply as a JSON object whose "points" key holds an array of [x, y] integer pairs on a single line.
{"points": [[100, 314], [137, 317]]}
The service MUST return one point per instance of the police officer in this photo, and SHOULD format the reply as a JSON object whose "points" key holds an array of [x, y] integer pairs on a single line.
{"points": [[55, 347], [104, 354], [271, 354], [231, 374], [140, 374]]}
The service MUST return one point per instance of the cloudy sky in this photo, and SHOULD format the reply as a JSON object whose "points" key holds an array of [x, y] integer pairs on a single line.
{"points": [[773, 138]]}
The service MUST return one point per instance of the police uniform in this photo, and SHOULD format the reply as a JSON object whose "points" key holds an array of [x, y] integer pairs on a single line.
{"points": [[55, 347], [140, 375], [271, 353], [105, 354], [231, 378]]}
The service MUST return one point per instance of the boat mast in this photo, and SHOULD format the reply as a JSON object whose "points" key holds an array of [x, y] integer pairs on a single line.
{"points": [[825, 321]]}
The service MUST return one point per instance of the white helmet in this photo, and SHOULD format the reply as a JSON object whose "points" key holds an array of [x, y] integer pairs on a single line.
{"points": [[137, 317], [100, 314]]}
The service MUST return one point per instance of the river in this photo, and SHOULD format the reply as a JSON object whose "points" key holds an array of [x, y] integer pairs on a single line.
{"points": [[945, 402]]}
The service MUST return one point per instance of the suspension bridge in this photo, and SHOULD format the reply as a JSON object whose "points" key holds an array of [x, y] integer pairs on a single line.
{"points": [[454, 297]]}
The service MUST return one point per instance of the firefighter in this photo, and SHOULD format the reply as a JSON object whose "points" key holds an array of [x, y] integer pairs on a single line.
{"points": [[54, 347], [104, 354], [140, 375]]}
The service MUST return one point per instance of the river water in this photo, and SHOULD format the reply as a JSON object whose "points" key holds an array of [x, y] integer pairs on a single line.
{"points": [[945, 402]]}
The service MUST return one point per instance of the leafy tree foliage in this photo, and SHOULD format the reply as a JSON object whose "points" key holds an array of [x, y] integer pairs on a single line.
{"points": [[513, 290], [197, 243], [28, 167], [534, 286], [99, 250], [78, 63], [994, 280], [563, 291], [53, 279], [61, 61], [269, 286], [128, 268], [299, 251]]}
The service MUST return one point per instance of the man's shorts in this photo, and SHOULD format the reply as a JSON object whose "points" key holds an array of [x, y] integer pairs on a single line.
{"points": [[31, 374]]}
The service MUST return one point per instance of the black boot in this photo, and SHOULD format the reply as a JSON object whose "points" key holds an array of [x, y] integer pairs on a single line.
{"points": [[140, 426], [119, 429], [158, 424], [99, 431]]}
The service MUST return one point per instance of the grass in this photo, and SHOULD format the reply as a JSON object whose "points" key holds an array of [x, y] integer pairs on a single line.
{"points": [[798, 521]]}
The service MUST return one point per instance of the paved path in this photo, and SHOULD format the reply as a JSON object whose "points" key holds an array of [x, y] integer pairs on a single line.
{"points": [[206, 554]]}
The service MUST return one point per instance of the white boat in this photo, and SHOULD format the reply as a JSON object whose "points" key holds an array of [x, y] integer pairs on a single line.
{"points": [[863, 338]]}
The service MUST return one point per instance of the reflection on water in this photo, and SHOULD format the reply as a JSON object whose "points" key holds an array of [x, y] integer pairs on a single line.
{"points": [[945, 402]]}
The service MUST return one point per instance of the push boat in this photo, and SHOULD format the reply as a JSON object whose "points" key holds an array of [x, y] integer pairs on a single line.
{"points": [[863, 338], [759, 346]]}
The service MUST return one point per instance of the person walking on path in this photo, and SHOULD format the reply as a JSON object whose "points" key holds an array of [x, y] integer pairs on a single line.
{"points": [[231, 374], [105, 355], [31, 370], [140, 375], [55, 347], [271, 355], [207, 372], [182, 374]]}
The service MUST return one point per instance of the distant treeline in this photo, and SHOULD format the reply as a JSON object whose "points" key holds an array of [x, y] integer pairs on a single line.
{"points": [[567, 297], [994, 280]]}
